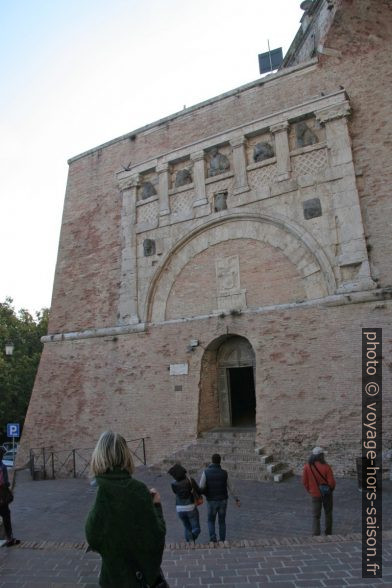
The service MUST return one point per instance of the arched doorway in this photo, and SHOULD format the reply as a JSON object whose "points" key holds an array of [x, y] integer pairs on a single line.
{"points": [[227, 395]]}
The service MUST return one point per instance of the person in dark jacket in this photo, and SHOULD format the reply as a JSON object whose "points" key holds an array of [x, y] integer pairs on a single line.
{"points": [[186, 508], [317, 472], [5, 513], [215, 485], [125, 525]]}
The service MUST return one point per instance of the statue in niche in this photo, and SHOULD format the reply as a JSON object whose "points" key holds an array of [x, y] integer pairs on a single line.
{"points": [[219, 163], [304, 135], [262, 151], [183, 177], [148, 190], [148, 247], [220, 201]]}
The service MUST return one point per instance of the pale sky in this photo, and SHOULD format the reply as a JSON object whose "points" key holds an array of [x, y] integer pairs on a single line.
{"points": [[78, 73]]}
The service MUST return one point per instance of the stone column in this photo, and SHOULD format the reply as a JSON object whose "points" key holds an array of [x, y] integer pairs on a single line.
{"points": [[239, 163], [352, 255], [282, 150], [163, 175], [199, 178], [338, 139], [128, 304]]}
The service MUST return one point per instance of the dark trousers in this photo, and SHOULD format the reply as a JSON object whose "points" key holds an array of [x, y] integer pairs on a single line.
{"points": [[6, 516], [216, 507], [317, 505]]}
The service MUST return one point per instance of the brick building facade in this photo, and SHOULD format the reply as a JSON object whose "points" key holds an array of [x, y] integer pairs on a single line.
{"points": [[222, 280]]}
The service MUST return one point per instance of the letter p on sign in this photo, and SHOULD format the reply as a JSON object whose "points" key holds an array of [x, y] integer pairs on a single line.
{"points": [[13, 430]]}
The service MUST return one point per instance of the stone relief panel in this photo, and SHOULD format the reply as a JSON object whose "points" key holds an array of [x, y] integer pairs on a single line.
{"points": [[213, 188], [180, 174], [229, 294], [148, 186], [312, 162], [219, 161], [305, 133], [259, 148]]}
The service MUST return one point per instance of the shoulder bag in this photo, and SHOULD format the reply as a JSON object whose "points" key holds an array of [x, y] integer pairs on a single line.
{"points": [[198, 499], [325, 489]]}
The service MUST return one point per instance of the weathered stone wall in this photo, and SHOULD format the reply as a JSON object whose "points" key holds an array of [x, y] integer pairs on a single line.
{"points": [[310, 222]]}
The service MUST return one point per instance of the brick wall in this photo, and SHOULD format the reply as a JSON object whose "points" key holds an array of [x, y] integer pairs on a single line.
{"points": [[307, 359]]}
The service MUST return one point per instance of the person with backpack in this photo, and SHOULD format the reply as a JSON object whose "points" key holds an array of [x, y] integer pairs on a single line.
{"points": [[318, 479], [215, 485], [6, 497]]}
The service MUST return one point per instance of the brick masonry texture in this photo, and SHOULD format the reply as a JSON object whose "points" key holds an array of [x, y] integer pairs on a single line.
{"points": [[307, 358]]}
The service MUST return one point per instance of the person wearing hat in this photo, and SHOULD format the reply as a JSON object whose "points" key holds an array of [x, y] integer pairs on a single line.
{"points": [[316, 473], [184, 487]]}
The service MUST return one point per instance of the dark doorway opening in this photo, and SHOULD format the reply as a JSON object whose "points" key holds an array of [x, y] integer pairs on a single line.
{"points": [[242, 397]]}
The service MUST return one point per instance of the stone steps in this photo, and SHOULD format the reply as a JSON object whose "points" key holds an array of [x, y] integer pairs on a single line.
{"points": [[239, 455]]}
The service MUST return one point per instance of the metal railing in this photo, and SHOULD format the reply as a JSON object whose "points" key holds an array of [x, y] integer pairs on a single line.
{"points": [[45, 463]]}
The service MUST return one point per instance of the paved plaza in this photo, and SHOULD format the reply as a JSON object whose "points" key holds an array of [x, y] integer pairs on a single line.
{"points": [[268, 540]]}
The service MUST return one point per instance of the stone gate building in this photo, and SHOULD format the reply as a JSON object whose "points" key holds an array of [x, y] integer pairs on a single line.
{"points": [[222, 278]]}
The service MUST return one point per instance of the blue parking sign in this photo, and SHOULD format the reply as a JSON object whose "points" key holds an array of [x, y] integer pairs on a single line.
{"points": [[13, 430]]}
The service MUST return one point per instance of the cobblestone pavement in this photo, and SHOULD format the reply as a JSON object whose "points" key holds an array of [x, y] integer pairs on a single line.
{"points": [[268, 538]]}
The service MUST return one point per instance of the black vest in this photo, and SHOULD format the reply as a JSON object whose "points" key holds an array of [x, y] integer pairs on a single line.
{"points": [[216, 482]]}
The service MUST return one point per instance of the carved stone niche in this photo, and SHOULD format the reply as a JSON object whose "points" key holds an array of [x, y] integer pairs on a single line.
{"points": [[218, 162], [148, 183], [259, 148], [220, 201], [312, 208], [304, 133], [183, 177], [262, 151], [147, 190], [149, 247]]}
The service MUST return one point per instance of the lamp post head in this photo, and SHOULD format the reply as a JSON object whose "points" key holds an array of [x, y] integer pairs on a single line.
{"points": [[9, 348]]}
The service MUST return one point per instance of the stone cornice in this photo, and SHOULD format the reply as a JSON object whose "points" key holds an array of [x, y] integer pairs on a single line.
{"points": [[333, 112]]}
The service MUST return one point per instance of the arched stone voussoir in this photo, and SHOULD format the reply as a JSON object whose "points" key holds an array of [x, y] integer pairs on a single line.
{"points": [[280, 232]]}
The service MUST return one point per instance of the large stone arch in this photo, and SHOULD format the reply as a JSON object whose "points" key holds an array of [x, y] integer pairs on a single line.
{"points": [[223, 354], [279, 232]]}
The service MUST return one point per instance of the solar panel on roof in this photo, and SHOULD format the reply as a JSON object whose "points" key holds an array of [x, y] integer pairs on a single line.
{"points": [[270, 60]]}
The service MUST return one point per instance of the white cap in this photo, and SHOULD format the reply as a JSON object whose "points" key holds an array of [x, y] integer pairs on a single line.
{"points": [[317, 450]]}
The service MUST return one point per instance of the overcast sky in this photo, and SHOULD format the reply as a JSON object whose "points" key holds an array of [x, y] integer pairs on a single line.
{"points": [[77, 73]]}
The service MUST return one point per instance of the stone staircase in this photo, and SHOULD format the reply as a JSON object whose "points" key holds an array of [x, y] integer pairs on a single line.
{"points": [[240, 457]]}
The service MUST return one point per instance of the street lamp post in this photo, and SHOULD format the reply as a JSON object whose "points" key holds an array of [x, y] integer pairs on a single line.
{"points": [[9, 348]]}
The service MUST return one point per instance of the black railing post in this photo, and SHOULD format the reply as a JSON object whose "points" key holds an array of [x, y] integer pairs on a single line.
{"points": [[32, 463], [52, 465], [44, 460], [74, 462]]}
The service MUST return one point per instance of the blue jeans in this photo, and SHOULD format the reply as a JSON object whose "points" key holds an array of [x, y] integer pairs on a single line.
{"points": [[217, 507], [190, 520]]}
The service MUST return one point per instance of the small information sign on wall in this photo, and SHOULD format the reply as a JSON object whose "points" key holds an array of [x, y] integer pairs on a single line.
{"points": [[178, 369]]}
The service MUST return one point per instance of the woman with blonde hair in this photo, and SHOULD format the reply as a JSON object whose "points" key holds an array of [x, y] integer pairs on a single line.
{"points": [[125, 525]]}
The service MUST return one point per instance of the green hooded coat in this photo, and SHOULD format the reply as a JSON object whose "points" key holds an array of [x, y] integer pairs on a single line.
{"points": [[123, 522]]}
